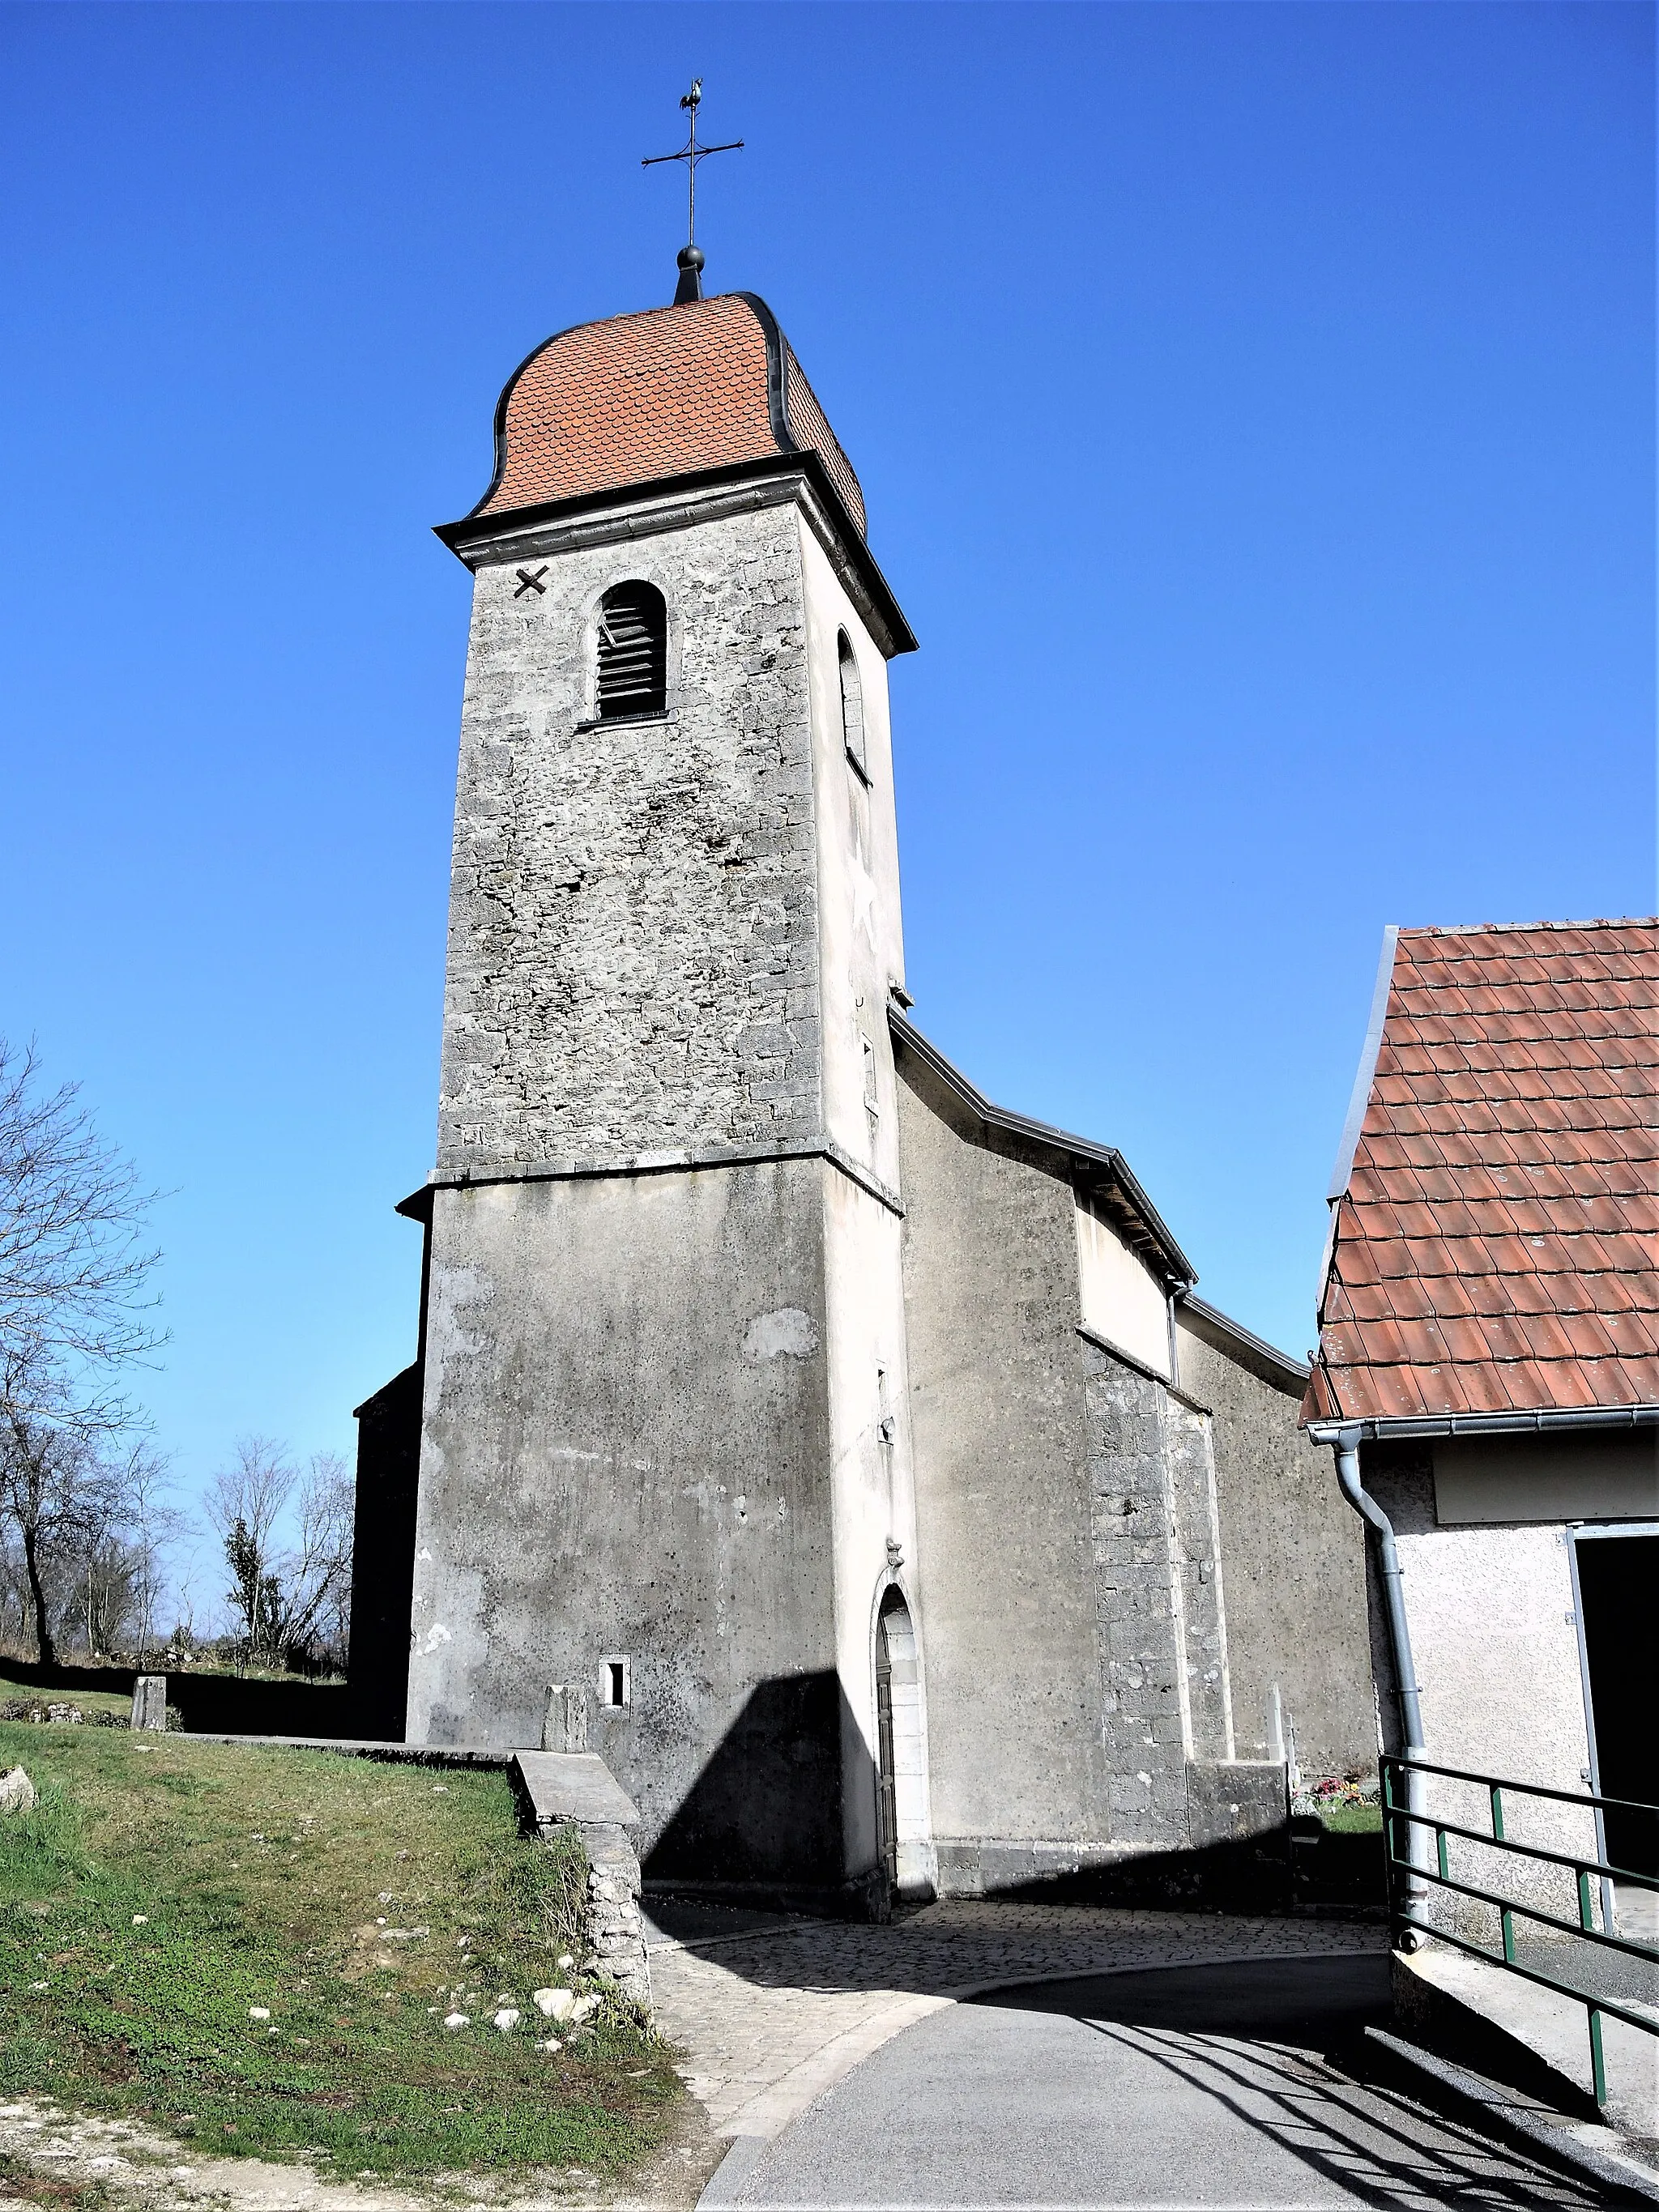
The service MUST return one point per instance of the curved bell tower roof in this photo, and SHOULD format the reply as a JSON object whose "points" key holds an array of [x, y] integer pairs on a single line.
{"points": [[638, 399]]}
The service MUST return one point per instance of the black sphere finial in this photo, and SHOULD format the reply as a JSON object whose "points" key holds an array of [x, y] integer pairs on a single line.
{"points": [[690, 287]]}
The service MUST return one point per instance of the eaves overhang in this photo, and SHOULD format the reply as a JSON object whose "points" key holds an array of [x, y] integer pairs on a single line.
{"points": [[1101, 1168], [1287, 1373], [472, 539]]}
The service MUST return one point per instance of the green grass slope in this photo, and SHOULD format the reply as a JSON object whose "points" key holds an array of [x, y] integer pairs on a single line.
{"points": [[164, 1891]]}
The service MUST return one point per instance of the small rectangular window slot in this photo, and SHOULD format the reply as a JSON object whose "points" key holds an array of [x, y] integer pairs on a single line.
{"points": [[614, 1686], [873, 1103]]}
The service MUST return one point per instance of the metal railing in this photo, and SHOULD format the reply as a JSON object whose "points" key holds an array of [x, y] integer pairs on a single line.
{"points": [[1407, 1872]]}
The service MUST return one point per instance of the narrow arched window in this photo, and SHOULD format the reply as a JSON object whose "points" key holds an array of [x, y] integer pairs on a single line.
{"points": [[852, 706], [633, 652]]}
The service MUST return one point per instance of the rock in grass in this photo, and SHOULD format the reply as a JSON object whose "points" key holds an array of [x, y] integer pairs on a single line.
{"points": [[507, 2019], [17, 1793], [457, 2020], [554, 2004]]}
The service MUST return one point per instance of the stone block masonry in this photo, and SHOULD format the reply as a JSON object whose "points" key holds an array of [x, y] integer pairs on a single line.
{"points": [[577, 1790], [1147, 1721], [633, 960], [616, 1933], [1188, 1443]]}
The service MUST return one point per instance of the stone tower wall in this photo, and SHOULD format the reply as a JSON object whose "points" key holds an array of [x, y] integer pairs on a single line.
{"points": [[665, 1323], [627, 1457], [633, 939]]}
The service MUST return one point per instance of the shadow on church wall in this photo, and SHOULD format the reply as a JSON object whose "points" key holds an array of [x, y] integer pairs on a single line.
{"points": [[764, 1813]]}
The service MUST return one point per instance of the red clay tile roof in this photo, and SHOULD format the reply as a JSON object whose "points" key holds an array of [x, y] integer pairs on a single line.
{"points": [[638, 397], [1496, 1247]]}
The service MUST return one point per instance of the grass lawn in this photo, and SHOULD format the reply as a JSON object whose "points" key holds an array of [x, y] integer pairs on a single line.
{"points": [[164, 1890], [1350, 1820]]}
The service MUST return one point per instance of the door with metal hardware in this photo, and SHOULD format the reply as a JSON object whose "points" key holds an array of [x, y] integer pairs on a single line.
{"points": [[886, 1777]]}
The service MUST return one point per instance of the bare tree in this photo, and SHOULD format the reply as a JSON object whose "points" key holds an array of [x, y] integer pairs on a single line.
{"points": [[75, 1310], [318, 1570], [153, 1523], [244, 1502], [100, 1600], [76, 1313], [15, 1614], [60, 1495]]}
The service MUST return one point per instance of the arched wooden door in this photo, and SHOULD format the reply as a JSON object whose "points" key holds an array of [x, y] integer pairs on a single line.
{"points": [[888, 1798]]}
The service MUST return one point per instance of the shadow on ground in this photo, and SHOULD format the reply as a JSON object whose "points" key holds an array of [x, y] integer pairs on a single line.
{"points": [[1224, 2087]]}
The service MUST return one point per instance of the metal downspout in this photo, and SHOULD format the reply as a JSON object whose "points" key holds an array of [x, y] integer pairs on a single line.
{"points": [[1346, 1445]]}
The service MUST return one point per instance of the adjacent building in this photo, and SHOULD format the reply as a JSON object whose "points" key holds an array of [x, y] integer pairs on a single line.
{"points": [[1489, 1340]]}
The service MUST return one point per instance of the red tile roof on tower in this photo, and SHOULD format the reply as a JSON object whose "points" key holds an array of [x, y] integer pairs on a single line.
{"points": [[1495, 1244], [605, 406]]}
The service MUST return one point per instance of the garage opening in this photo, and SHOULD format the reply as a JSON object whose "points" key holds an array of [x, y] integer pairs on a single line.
{"points": [[1619, 1621]]}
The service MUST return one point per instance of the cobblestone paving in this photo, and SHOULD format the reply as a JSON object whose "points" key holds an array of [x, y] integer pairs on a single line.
{"points": [[770, 2016]]}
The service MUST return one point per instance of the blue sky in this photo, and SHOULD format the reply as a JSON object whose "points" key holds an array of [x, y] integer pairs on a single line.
{"points": [[1254, 406]]}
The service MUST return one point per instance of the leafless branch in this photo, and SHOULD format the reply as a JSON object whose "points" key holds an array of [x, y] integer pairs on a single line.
{"points": [[75, 1306]]}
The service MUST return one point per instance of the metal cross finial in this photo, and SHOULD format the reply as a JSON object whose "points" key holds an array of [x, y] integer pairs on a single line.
{"points": [[691, 154]]}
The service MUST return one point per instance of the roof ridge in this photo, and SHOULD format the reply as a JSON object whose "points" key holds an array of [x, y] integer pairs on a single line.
{"points": [[1496, 928]]}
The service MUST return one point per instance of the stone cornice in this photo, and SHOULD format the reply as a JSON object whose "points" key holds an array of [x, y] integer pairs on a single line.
{"points": [[669, 1161], [681, 502]]}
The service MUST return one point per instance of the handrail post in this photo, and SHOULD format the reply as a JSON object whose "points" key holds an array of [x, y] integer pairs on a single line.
{"points": [[1410, 1869], [1505, 1917], [1598, 2061]]}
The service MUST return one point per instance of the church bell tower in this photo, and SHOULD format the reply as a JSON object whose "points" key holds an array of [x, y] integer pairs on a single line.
{"points": [[662, 1452]]}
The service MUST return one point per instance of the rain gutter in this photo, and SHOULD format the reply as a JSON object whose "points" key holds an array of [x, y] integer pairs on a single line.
{"points": [[1345, 1441], [1385, 1428]]}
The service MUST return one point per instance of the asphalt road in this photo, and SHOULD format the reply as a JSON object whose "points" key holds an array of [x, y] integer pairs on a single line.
{"points": [[1209, 2086]]}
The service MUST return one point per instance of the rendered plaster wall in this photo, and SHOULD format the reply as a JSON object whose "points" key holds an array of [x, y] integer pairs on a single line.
{"points": [[633, 941], [860, 952], [1199, 1584], [1599, 1475], [1295, 1569], [1006, 1561], [1119, 1298], [871, 1477], [861, 941], [1496, 1651], [627, 1453]]}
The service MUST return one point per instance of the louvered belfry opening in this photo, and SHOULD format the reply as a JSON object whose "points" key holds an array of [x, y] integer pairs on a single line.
{"points": [[633, 652]]}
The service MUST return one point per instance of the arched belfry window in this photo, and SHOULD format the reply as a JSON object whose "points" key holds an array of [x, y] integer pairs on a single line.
{"points": [[633, 652], [852, 706]]}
